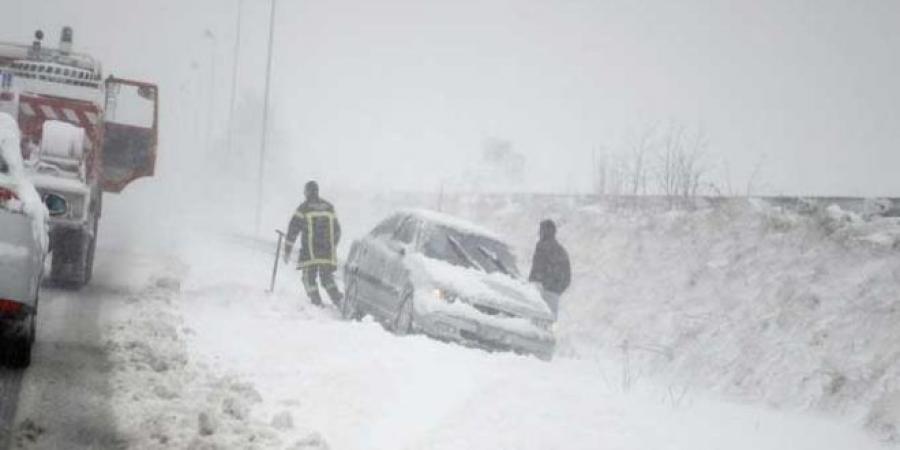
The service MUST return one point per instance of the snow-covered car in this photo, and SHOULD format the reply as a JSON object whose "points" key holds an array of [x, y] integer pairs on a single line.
{"points": [[423, 271], [23, 247]]}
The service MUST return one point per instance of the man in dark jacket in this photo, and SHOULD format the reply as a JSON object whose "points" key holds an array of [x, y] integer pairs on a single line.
{"points": [[550, 266], [319, 231]]}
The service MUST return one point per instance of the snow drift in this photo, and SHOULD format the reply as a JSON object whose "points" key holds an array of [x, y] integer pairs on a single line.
{"points": [[748, 300], [795, 309], [791, 306]]}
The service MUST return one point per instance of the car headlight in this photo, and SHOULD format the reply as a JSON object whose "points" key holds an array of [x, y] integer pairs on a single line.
{"points": [[445, 295]]}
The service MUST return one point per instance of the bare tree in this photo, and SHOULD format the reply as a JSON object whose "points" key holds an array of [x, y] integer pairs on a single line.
{"points": [[670, 162], [691, 168], [640, 149], [680, 170], [667, 165]]}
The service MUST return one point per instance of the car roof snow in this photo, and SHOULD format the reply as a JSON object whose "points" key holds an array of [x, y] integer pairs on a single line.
{"points": [[453, 222]]}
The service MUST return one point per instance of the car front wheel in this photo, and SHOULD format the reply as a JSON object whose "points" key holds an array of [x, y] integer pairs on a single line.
{"points": [[350, 306], [403, 325]]}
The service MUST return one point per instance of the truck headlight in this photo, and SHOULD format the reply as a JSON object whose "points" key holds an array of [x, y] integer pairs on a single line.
{"points": [[64, 205], [56, 205]]}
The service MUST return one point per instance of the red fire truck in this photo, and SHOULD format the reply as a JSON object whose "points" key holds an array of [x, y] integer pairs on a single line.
{"points": [[82, 135]]}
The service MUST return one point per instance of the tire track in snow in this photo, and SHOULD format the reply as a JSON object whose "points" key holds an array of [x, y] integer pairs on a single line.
{"points": [[10, 384]]}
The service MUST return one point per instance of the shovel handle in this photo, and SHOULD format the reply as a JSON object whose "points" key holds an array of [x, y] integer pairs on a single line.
{"points": [[277, 258]]}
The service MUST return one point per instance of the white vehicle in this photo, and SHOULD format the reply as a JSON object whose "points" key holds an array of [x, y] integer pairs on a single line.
{"points": [[422, 271], [23, 247]]}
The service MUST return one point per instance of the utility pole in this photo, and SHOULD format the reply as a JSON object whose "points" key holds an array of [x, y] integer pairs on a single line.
{"points": [[265, 122], [234, 71], [197, 83], [211, 89]]}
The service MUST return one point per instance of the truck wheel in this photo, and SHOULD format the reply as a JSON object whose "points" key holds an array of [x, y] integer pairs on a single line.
{"points": [[72, 259], [92, 247]]}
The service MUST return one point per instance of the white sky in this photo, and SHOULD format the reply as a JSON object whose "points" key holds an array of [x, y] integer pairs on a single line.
{"points": [[401, 93]]}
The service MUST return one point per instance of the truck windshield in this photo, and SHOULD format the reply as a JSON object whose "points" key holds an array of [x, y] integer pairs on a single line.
{"points": [[469, 250]]}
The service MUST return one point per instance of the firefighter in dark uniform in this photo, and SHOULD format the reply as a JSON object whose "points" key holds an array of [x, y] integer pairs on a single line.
{"points": [[319, 231]]}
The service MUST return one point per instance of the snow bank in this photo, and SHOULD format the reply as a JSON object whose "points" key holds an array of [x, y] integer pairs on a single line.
{"points": [[204, 358], [793, 306], [347, 385], [752, 301], [740, 299], [164, 397]]}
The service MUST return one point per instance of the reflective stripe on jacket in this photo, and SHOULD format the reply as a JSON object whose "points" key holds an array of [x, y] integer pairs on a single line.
{"points": [[319, 231]]}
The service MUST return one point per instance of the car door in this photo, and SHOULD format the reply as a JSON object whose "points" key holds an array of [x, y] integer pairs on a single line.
{"points": [[367, 265], [396, 273], [130, 126], [383, 261], [352, 264]]}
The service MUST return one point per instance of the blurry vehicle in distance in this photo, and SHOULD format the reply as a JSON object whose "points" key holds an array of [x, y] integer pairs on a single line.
{"points": [[423, 271], [23, 247]]}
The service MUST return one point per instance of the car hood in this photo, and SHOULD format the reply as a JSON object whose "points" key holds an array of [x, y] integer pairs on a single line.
{"points": [[495, 291]]}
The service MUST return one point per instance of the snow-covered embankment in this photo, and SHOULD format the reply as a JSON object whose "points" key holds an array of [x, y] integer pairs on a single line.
{"points": [[743, 299]]}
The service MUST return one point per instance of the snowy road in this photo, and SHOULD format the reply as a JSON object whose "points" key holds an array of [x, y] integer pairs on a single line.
{"points": [[10, 383], [72, 393], [66, 393], [165, 353]]}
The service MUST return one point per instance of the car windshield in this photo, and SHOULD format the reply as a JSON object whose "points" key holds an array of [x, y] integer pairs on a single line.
{"points": [[470, 250], [4, 168]]}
